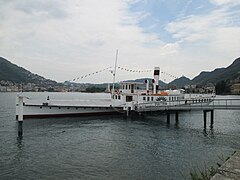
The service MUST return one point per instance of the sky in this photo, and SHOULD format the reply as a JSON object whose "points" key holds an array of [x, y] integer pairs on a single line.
{"points": [[66, 39]]}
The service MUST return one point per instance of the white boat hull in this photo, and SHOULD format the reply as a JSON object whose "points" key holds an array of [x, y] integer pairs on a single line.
{"points": [[38, 111]]}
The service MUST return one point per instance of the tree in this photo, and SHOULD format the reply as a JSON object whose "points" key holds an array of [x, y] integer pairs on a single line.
{"points": [[222, 87]]}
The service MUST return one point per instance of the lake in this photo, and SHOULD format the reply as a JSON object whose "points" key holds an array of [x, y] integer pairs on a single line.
{"points": [[113, 147]]}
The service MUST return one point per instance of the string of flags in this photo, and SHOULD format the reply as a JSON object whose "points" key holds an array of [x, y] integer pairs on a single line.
{"points": [[132, 70], [169, 75], [90, 74], [119, 68]]}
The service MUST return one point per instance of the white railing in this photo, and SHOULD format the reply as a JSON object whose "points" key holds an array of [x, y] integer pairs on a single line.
{"points": [[233, 104]]}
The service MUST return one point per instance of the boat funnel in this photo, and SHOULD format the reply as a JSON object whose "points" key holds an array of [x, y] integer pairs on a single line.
{"points": [[147, 85], [156, 79]]}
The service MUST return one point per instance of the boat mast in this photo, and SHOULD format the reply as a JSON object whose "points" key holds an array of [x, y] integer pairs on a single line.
{"points": [[115, 69]]}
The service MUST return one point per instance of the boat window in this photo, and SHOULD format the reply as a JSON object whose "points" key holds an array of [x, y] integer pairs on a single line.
{"points": [[76, 108], [119, 97], [40, 107], [144, 98], [59, 107], [151, 98], [148, 98], [129, 98], [129, 86], [50, 107]]}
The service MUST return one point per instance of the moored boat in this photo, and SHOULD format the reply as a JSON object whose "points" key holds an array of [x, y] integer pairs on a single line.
{"points": [[131, 96]]}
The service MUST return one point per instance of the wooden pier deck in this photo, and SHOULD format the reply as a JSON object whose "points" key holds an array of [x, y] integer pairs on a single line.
{"points": [[230, 170]]}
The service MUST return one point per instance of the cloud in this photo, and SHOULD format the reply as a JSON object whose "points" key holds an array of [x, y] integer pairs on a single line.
{"points": [[224, 2], [216, 32], [62, 40], [76, 36]]}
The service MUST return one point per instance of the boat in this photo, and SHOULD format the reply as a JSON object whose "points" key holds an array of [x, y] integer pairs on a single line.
{"points": [[131, 96]]}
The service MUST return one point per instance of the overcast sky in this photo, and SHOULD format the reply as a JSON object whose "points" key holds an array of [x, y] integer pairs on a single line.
{"points": [[66, 39]]}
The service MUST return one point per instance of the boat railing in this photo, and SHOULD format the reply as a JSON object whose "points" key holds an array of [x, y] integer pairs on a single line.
{"points": [[73, 102]]}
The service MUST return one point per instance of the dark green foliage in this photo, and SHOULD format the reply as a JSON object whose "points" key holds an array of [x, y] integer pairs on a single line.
{"points": [[222, 87], [94, 89], [205, 174]]}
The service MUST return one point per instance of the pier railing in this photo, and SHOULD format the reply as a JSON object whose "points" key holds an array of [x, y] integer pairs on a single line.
{"points": [[223, 104]]}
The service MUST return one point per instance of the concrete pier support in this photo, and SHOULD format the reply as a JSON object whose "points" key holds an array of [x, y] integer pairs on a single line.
{"points": [[20, 129], [20, 116], [176, 117], [168, 117], [212, 119], [229, 169], [205, 118]]}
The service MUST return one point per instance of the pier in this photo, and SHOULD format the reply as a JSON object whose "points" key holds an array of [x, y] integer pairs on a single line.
{"points": [[230, 169], [176, 108]]}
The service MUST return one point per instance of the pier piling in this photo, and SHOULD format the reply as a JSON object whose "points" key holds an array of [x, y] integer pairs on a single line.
{"points": [[205, 118], [20, 116], [20, 129], [176, 117], [168, 117], [212, 117]]}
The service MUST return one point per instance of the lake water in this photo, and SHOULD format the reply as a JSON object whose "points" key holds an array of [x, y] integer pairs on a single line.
{"points": [[111, 147]]}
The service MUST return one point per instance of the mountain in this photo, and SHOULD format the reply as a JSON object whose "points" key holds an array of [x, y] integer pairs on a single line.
{"points": [[180, 82], [15, 74], [142, 80], [220, 74]]}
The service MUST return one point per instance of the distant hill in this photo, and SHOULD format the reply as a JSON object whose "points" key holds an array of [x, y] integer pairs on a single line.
{"points": [[220, 74], [180, 82], [142, 80], [15, 74]]}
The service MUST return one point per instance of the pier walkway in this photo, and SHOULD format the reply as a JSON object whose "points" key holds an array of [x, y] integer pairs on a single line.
{"points": [[216, 104], [230, 170], [190, 105]]}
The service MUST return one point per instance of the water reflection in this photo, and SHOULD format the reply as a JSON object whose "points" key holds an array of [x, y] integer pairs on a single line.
{"points": [[209, 133], [20, 142]]}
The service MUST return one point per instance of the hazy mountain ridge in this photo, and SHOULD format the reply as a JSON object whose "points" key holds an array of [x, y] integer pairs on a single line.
{"points": [[180, 82], [142, 80], [229, 73], [15, 74]]}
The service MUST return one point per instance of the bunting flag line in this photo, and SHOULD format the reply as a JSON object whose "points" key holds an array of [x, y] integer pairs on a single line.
{"points": [[169, 75], [84, 76], [134, 70], [119, 68]]}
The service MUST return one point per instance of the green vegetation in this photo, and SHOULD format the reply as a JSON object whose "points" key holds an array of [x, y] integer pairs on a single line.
{"points": [[206, 174], [95, 89], [222, 87]]}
